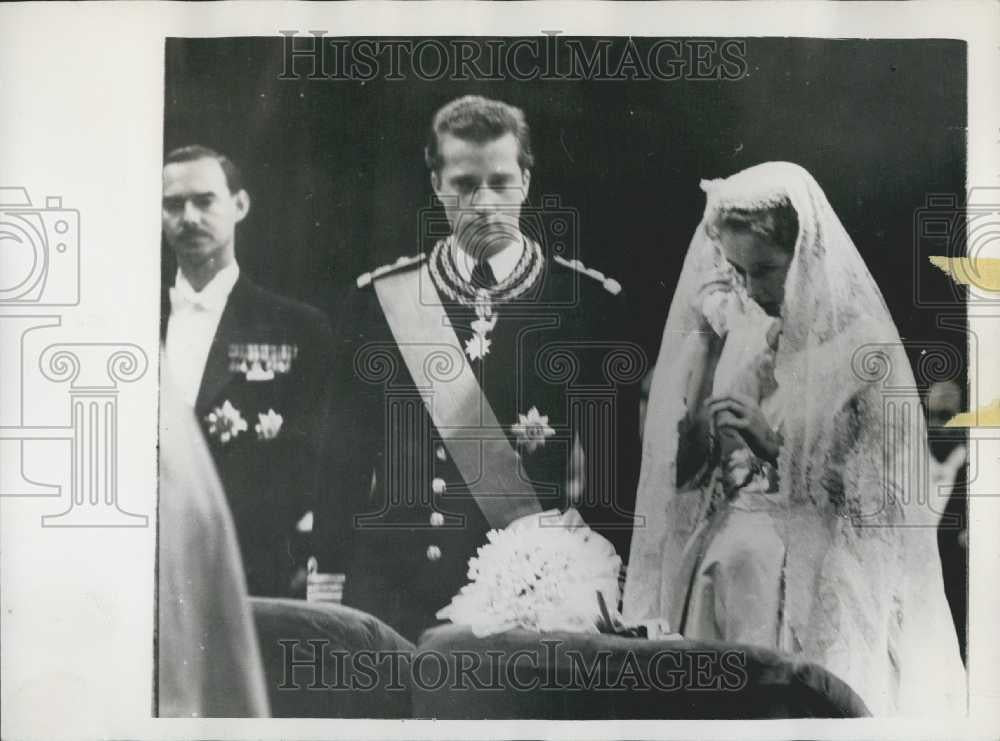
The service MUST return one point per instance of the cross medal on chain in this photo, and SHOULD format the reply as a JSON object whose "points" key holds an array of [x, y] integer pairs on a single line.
{"points": [[479, 345], [482, 298]]}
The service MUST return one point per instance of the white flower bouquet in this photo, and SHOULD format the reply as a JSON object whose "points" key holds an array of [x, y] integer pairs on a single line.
{"points": [[538, 576]]}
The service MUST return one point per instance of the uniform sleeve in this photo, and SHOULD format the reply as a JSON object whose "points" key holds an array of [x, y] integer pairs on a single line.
{"points": [[316, 399], [612, 451], [352, 444]]}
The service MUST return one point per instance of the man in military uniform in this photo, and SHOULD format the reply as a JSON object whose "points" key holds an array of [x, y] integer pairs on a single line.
{"points": [[483, 381], [253, 365]]}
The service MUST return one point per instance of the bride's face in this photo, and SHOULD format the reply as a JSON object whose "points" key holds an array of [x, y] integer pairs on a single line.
{"points": [[761, 264]]}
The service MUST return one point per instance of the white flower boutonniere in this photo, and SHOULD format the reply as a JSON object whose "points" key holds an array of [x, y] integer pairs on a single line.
{"points": [[225, 422], [269, 425], [532, 430]]}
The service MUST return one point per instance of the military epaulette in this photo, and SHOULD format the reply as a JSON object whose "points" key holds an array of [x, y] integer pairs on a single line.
{"points": [[610, 284], [403, 262]]}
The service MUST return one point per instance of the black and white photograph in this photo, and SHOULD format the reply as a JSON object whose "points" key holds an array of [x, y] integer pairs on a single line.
{"points": [[560, 377], [499, 370]]}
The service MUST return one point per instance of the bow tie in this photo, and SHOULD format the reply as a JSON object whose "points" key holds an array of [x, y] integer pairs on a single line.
{"points": [[183, 298]]}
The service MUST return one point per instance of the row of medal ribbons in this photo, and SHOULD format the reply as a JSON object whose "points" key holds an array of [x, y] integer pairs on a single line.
{"points": [[248, 357]]}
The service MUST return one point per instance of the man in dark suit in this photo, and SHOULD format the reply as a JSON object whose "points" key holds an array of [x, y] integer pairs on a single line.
{"points": [[481, 382], [253, 365]]}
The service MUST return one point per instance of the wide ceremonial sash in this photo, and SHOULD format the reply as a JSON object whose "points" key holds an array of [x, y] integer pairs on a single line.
{"points": [[454, 399]]}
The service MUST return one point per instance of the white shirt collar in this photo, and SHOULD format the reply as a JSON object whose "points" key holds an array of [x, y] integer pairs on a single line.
{"points": [[502, 263], [215, 293]]}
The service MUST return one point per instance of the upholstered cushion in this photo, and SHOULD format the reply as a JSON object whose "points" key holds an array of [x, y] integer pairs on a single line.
{"points": [[330, 661], [573, 677]]}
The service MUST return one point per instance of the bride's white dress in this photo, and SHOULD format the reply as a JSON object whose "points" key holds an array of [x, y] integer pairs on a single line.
{"points": [[833, 558]]}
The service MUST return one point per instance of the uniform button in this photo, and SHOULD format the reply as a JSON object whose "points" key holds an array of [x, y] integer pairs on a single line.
{"points": [[433, 553], [440, 453], [438, 486], [437, 519]]}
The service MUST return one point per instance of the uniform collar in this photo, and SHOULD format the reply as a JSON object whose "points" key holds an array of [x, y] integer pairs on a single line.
{"points": [[502, 263]]}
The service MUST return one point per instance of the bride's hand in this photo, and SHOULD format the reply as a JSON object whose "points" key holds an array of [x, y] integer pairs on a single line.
{"points": [[714, 280], [742, 414], [715, 285]]}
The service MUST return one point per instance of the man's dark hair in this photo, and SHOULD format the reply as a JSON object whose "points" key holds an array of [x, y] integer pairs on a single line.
{"points": [[192, 152], [478, 119]]}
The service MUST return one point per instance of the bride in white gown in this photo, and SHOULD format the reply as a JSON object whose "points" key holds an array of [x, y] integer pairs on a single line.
{"points": [[780, 502]]}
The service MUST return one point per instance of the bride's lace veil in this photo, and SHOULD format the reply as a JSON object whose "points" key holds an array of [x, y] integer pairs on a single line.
{"points": [[863, 590]]}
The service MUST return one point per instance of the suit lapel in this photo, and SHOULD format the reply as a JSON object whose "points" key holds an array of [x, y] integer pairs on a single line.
{"points": [[217, 375]]}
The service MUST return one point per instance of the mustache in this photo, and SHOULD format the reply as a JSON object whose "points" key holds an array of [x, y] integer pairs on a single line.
{"points": [[187, 232]]}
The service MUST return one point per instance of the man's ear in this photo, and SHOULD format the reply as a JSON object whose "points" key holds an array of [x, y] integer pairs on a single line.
{"points": [[526, 177], [436, 183], [242, 201]]}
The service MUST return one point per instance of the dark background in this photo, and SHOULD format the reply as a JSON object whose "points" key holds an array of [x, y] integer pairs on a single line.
{"points": [[336, 173], [337, 178]]}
